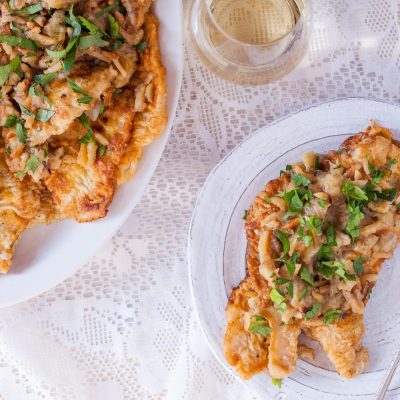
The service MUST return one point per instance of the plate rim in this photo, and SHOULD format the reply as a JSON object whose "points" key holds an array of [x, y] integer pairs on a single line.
{"points": [[196, 207]]}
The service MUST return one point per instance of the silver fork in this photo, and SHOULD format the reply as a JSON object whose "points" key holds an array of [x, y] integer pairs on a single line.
{"points": [[388, 376]]}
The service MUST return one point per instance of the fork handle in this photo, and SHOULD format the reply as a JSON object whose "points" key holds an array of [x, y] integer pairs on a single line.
{"points": [[388, 376]]}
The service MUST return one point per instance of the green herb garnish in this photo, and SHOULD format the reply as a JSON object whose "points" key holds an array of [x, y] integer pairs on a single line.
{"points": [[284, 240], [19, 41], [313, 312], [331, 316], [6, 70], [358, 265]]}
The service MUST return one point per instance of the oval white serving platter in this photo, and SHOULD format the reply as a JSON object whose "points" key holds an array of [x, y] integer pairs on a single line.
{"points": [[46, 255], [217, 246]]}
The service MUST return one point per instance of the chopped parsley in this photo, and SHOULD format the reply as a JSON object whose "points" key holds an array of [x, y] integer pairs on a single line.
{"points": [[290, 262], [358, 265], [260, 327], [353, 192], [86, 99], [331, 316], [84, 120], [376, 174], [306, 276], [300, 180], [31, 166], [32, 9], [284, 240], [142, 46], [44, 115], [277, 382], [245, 212], [19, 41], [352, 227], [313, 312], [6, 70], [276, 296], [303, 293]]}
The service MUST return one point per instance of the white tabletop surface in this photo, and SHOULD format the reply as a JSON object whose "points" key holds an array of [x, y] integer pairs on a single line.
{"points": [[123, 327]]}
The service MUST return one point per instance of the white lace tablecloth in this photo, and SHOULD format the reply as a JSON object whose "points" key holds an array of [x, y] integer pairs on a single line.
{"points": [[123, 327]]}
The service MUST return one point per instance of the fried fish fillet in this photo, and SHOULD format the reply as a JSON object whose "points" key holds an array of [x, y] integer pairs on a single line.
{"points": [[19, 204], [354, 192], [84, 185], [82, 189]]}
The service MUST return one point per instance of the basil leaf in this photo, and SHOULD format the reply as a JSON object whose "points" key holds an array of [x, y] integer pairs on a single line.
{"points": [[44, 115], [306, 276], [6, 70], [276, 296], [331, 316], [18, 41], [322, 203], [25, 111], [259, 318], [284, 240], [32, 9], [91, 40], [313, 312], [358, 265], [353, 192], [300, 180], [58, 55], [260, 328]]}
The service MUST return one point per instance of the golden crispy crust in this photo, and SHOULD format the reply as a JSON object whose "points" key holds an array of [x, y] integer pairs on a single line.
{"points": [[245, 350], [341, 343], [148, 124], [19, 203]]}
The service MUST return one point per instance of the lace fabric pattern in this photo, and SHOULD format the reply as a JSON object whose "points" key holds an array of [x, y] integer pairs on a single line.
{"points": [[124, 327]]}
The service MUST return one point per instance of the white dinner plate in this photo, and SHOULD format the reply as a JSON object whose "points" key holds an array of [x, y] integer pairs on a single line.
{"points": [[217, 246], [46, 255]]}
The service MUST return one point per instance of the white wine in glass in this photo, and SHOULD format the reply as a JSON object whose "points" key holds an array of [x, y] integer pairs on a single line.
{"points": [[250, 41]]}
